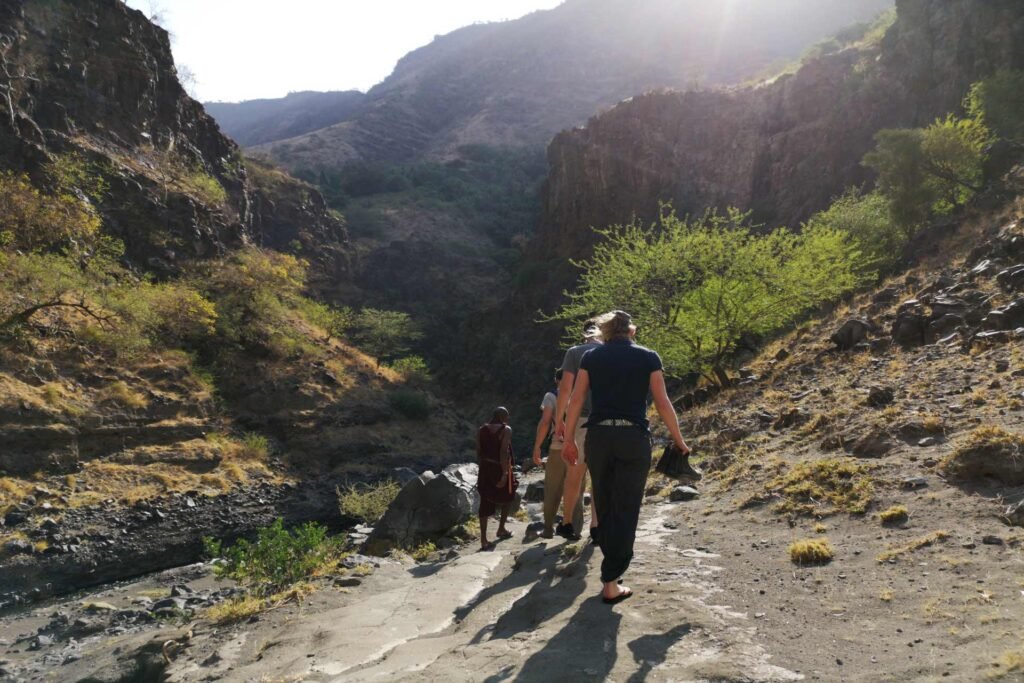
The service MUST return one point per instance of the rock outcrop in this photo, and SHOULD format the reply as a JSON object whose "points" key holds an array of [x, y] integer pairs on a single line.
{"points": [[782, 150], [519, 82]]}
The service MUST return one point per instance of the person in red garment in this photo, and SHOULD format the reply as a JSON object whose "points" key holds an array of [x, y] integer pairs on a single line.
{"points": [[620, 374], [496, 482]]}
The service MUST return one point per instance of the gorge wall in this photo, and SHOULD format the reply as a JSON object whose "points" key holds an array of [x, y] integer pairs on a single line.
{"points": [[782, 150]]}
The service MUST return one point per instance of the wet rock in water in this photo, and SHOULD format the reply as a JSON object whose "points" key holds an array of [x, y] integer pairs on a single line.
{"points": [[534, 492], [682, 494], [851, 333], [880, 396], [425, 510]]}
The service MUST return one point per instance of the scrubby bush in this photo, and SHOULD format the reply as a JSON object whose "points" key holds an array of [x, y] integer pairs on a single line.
{"points": [[367, 502], [697, 287], [33, 221], [811, 551], [277, 558]]}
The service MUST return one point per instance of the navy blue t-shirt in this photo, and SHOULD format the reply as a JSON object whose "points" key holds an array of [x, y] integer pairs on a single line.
{"points": [[620, 379]]}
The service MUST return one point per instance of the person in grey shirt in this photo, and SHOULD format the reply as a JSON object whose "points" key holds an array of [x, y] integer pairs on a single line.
{"points": [[576, 476]]}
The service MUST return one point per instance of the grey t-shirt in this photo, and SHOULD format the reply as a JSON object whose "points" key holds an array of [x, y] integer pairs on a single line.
{"points": [[571, 363]]}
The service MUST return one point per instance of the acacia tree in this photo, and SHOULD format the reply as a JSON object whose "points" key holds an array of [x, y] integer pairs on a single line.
{"points": [[697, 287]]}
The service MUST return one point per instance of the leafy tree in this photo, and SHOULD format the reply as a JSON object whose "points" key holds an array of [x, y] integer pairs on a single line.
{"points": [[385, 334], [866, 218], [998, 103], [697, 287], [924, 172]]}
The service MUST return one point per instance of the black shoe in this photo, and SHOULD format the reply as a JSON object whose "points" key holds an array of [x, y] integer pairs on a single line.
{"points": [[595, 535], [567, 531], [690, 473]]}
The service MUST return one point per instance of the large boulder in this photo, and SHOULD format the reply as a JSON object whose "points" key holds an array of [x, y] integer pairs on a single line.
{"points": [[910, 326], [1009, 317], [852, 332], [427, 508]]}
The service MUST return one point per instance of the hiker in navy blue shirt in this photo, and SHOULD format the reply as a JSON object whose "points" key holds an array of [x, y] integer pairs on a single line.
{"points": [[619, 376]]}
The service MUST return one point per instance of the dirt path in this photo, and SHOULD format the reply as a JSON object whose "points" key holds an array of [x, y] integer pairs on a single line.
{"points": [[526, 612]]}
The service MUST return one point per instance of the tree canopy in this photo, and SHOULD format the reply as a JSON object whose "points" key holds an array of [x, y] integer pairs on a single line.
{"points": [[699, 286]]}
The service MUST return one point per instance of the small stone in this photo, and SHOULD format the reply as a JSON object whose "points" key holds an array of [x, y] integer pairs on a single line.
{"points": [[969, 545], [880, 396], [912, 483], [348, 582], [992, 540], [98, 607], [683, 493], [927, 441]]}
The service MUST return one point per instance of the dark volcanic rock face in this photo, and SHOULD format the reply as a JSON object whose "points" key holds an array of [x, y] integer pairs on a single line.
{"points": [[783, 150], [97, 79]]}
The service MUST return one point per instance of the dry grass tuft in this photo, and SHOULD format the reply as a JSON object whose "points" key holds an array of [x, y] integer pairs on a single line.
{"points": [[1010, 663], [368, 502], [897, 514], [988, 451], [811, 551], [121, 394], [886, 595], [823, 487], [916, 544]]}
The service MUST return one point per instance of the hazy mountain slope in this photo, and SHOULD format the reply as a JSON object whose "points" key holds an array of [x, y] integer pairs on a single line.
{"points": [[519, 82], [254, 122]]}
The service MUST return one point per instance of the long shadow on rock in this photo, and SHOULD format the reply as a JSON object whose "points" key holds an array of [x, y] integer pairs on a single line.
{"points": [[584, 650], [651, 650], [544, 600], [529, 567]]}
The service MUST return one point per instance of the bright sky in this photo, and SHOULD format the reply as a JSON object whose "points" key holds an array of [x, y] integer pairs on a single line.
{"points": [[249, 49]]}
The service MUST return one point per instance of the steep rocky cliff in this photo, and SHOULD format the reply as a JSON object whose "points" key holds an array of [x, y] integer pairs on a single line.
{"points": [[98, 79], [783, 149], [519, 82]]}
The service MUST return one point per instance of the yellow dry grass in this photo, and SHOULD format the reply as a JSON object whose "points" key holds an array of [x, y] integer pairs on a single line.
{"points": [[121, 394], [916, 544], [897, 514], [811, 551]]}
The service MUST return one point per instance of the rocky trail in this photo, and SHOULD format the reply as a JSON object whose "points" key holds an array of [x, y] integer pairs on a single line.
{"points": [[529, 611]]}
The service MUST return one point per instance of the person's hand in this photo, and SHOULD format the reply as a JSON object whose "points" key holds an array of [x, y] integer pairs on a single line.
{"points": [[536, 456], [570, 453], [683, 448]]}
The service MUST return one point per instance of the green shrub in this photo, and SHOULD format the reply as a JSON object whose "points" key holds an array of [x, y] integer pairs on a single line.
{"points": [[413, 369], [384, 334], [411, 404], [367, 502], [699, 286], [254, 447], [998, 103], [868, 220], [276, 559]]}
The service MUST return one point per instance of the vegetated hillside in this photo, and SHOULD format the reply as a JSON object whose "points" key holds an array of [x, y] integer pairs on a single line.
{"points": [[890, 431], [159, 331], [519, 82], [254, 122], [783, 149]]}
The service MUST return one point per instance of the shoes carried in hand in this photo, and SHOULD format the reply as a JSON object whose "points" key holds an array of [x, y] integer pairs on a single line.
{"points": [[689, 473]]}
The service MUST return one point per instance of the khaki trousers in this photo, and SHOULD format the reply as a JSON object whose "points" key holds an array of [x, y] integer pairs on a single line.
{"points": [[554, 484]]}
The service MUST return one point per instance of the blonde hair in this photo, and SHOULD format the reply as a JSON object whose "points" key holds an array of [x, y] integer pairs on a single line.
{"points": [[615, 325]]}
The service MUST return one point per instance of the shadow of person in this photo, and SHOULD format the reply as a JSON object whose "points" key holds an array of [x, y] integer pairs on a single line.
{"points": [[547, 598], [651, 650], [584, 650], [530, 566]]}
